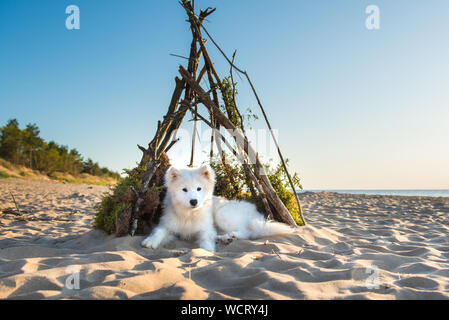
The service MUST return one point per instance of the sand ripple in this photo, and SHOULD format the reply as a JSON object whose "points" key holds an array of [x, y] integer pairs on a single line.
{"points": [[355, 247]]}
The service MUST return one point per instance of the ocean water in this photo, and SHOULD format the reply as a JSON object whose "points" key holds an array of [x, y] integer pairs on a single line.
{"points": [[424, 193]]}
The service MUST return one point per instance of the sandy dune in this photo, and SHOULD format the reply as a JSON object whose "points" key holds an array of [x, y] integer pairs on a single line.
{"points": [[356, 247]]}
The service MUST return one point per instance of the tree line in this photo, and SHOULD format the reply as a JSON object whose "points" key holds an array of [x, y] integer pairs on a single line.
{"points": [[25, 147]]}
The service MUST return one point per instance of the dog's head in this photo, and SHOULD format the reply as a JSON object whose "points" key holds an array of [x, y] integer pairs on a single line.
{"points": [[190, 188]]}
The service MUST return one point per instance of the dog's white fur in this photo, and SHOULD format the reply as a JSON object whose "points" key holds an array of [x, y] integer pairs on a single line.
{"points": [[191, 211], [182, 218]]}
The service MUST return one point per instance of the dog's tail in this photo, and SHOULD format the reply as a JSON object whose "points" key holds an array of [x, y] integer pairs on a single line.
{"points": [[263, 228]]}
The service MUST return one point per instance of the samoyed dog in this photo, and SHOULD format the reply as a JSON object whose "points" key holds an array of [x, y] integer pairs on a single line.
{"points": [[190, 211]]}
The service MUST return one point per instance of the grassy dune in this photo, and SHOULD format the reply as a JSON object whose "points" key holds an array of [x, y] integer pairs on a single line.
{"points": [[9, 170]]}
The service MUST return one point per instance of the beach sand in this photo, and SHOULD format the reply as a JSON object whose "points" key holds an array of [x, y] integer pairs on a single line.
{"points": [[355, 247]]}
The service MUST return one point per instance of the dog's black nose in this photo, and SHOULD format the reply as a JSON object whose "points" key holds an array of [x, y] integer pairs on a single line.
{"points": [[193, 202]]}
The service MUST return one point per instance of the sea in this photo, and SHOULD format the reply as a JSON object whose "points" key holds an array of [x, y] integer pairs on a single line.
{"points": [[424, 193]]}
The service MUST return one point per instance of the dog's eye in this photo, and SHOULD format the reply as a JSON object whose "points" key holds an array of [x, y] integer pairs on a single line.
{"points": [[199, 189], [185, 189]]}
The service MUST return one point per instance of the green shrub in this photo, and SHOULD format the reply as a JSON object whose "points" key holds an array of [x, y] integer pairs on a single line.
{"points": [[113, 214], [121, 198], [106, 218], [234, 184], [279, 180], [4, 175]]}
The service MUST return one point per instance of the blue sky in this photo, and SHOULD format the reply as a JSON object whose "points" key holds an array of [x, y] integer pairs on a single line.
{"points": [[354, 108]]}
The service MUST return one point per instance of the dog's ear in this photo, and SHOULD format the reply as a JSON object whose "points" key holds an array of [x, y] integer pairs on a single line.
{"points": [[171, 175], [207, 172]]}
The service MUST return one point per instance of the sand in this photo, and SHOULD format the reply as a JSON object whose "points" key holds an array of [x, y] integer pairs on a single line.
{"points": [[355, 247]]}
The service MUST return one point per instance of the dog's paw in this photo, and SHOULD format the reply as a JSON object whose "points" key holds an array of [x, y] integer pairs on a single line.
{"points": [[226, 238], [149, 243]]}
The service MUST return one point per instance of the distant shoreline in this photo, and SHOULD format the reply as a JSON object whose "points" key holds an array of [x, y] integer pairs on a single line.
{"points": [[388, 192]]}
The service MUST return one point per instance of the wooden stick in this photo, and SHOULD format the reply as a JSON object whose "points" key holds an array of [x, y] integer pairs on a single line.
{"points": [[15, 203], [201, 75], [171, 145], [192, 154]]}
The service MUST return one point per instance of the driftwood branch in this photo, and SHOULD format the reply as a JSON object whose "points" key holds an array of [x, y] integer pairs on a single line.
{"points": [[15, 203], [171, 145], [142, 148], [195, 120]]}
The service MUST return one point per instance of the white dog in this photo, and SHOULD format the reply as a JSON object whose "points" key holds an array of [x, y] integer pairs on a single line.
{"points": [[190, 210]]}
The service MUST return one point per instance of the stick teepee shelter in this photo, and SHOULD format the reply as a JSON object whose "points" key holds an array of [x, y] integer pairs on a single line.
{"points": [[188, 96]]}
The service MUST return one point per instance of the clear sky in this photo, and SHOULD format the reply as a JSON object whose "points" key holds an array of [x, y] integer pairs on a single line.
{"points": [[354, 108]]}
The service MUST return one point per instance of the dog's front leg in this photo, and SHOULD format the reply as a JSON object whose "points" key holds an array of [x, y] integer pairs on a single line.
{"points": [[159, 234], [207, 240]]}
